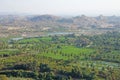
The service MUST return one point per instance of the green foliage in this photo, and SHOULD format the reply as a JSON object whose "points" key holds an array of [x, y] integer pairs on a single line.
{"points": [[44, 68], [62, 57], [19, 78], [9, 52]]}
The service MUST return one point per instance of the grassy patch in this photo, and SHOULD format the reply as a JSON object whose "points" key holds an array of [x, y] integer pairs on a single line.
{"points": [[9, 52], [14, 78], [74, 50]]}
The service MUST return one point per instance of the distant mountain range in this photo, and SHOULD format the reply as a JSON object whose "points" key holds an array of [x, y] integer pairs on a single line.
{"points": [[48, 23]]}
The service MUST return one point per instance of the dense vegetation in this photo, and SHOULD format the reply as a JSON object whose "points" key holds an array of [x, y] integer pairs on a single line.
{"points": [[63, 57]]}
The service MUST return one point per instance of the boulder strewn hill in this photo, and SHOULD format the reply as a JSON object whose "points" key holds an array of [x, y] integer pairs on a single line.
{"points": [[38, 24]]}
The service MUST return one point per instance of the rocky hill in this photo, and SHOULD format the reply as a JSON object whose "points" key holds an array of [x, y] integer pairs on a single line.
{"points": [[36, 25]]}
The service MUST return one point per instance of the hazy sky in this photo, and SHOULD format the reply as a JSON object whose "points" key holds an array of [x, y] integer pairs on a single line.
{"points": [[61, 7]]}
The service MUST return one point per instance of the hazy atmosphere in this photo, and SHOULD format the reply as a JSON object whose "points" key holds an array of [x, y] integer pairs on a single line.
{"points": [[59, 39], [61, 7]]}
